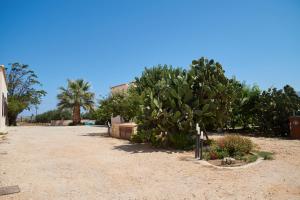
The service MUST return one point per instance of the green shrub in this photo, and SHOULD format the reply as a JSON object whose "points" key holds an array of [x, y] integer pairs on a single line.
{"points": [[216, 152], [235, 145], [173, 100], [180, 141], [249, 158], [274, 108], [209, 142], [140, 137], [136, 138], [230, 145], [46, 117], [265, 155]]}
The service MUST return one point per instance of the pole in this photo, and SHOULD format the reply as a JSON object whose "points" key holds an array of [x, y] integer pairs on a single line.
{"points": [[201, 146], [197, 147], [197, 155], [36, 111], [108, 128]]}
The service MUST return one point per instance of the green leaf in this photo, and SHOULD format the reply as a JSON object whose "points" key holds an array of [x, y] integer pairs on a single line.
{"points": [[177, 115], [155, 101]]}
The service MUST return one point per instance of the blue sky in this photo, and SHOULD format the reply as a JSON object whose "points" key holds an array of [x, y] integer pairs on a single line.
{"points": [[110, 42]]}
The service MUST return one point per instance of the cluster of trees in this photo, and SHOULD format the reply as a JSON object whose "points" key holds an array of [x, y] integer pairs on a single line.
{"points": [[72, 98], [167, 103], [124, 104], [24, 93], [23, 90]]}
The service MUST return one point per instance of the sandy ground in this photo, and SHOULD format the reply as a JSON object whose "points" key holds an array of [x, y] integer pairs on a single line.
{"points": [[82, 163]]}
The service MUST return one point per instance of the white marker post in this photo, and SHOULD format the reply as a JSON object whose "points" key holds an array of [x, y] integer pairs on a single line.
{"points": [[108, 128], [197, 156], [201, 145]]}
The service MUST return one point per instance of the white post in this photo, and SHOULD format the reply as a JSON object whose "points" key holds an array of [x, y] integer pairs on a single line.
{"points": [[197, 156], [198, 129]]}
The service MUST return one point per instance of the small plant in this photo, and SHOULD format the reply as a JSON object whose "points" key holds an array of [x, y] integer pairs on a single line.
{"points": [[235, 145], [136, 138], [140, 137], [265, 155], [208, 142], [216, 152], [250, 158], [230, 146]]}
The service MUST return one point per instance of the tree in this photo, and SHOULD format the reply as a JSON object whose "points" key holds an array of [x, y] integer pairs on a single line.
{"points": [[22, 89], [125, 104], [274, 108], [212, 92], [75, 96], [243, 107], [174, 100], [167, 102], [166, 106]]}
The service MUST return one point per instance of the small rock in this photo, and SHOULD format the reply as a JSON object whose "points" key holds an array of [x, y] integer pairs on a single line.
{"points": [[228, 161]]}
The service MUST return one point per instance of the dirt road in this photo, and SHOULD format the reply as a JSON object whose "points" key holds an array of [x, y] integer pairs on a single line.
{"points": [[82, 163]]}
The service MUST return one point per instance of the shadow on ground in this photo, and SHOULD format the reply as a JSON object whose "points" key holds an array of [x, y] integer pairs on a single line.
{"points": [[143, 148], [103, 134]]}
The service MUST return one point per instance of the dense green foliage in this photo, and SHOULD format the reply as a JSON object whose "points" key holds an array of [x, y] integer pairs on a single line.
{"points": [[22, 89], [125, 104], [167, 114], [214, 93], [89, 115], [243, 108], [273, 109], [75, 96], [167, 103], [229, 146], [46, 117]]}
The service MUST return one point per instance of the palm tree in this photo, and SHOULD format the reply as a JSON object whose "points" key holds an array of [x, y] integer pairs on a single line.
{"points": [[75, 96]]}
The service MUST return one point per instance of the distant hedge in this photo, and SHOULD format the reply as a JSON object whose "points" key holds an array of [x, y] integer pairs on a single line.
{"points": [[46, 117]]}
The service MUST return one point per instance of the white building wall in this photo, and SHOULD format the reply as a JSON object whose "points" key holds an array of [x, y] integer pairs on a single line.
{"points": [[3, 98]]}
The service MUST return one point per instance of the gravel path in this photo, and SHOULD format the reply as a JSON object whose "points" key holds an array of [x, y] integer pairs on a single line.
{"points": [[82, 163]]}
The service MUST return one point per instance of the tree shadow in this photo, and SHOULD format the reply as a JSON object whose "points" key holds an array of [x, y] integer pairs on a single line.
{"points": [[250, 134], [134, 148], [102, 134]]}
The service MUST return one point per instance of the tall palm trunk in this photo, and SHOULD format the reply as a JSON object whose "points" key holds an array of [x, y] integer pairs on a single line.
{"points": [[76, 114]]}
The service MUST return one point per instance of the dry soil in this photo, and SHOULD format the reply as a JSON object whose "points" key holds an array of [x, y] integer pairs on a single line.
{"points": [[83, 163]]}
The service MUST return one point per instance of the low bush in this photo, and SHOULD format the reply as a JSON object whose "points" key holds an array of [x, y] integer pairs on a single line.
{"points": [[180, 141], [77, 124], [135, 138], [235, 145], [46, 117], [265, 155], [230, 145], [249, 158], [140, 137], [165, 140]]}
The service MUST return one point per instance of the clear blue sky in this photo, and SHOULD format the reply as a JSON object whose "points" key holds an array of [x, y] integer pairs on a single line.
{"points": [[110, 42]]}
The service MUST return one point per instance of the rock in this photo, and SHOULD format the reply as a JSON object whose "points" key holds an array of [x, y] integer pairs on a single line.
{"points": [[228, 161]]}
